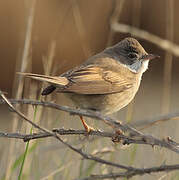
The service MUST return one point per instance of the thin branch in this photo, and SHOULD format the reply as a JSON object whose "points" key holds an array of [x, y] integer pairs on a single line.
{"points": [[155, 120], [167, 143], [130, 170], [22, 115], [24, 137], [28, 137], [88, 113], [129, 174], [54, 134], [134, 136]]}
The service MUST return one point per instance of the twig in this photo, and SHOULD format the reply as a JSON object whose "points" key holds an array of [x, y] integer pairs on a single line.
{"points": [[97, 115], [145, 122], [168, 143], [79, 151], [134, 136], [148, 122], [129, 174], [131, 171], [22, 115], [28, 137]]}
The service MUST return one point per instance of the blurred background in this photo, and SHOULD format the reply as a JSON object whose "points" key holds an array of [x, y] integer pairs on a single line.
{"points": [[52, 36]]}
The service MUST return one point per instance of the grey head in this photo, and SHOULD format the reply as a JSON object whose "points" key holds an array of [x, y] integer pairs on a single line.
{"points": [[130, 53]]}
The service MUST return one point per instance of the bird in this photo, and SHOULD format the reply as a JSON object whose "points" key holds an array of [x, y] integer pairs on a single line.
{"points": [[105, 82]]}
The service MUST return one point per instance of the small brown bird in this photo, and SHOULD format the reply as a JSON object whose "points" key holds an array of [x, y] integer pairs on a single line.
{"points": [[105, 82]]}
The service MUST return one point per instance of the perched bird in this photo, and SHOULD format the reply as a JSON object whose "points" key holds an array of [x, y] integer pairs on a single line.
{"points": [[106, 82]]}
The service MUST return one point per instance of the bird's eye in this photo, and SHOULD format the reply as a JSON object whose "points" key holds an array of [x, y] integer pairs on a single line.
{"points": [[132, 55]]}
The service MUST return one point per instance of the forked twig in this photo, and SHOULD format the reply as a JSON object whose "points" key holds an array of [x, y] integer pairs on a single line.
{"points": [[128, 170], [133, 137]]}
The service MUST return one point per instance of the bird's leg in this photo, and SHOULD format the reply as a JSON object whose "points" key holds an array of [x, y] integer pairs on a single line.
{"points": [[87, 128], [116, 138]]}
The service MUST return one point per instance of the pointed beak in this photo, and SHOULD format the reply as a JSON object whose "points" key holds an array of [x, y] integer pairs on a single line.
{"points": [[149, 57]]}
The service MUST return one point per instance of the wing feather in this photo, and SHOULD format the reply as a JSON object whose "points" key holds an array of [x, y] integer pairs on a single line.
{"points": [[87, 80], [96, 80]]}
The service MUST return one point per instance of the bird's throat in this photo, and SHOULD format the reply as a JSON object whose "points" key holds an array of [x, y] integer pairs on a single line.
{"points": [[139, 66], [145, 65]]}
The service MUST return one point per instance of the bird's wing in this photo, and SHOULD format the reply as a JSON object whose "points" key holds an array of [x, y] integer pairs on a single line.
{"points": [[88, 79], [95, 80]]}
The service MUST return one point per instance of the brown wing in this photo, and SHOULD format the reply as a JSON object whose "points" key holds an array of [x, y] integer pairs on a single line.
{"points": [[95, 80], [89, 79]]}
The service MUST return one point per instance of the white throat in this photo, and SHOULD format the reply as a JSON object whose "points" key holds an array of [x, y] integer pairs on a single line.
{"points": [[138, 67], [145, 65]]}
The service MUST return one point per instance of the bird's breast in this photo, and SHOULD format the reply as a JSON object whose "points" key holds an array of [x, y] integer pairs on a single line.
{"points": [[106, 104]]}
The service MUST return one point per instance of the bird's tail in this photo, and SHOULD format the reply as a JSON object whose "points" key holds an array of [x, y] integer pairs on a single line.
{"points": [[56, 81]]}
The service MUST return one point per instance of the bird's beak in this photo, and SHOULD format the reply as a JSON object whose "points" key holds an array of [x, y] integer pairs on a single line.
{"points": [[149, 57]]}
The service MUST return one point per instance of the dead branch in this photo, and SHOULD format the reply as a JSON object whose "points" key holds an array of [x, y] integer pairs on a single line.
{"points": [[129, 171], [167, 143], [134, 137], [129, 174], [148, 122]]}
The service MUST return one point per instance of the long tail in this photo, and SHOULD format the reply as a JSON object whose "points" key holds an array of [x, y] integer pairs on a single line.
{"points": [[54, 80]]}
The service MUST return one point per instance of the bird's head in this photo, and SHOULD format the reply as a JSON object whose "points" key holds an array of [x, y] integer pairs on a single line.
{"points": [[130, 53]]}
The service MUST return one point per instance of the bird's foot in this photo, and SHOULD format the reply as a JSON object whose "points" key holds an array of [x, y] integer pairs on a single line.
{"points": [[86, 126], [116, 138], [89, 129]]}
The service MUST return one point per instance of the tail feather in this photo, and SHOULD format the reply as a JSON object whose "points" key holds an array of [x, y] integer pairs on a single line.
{"points": [[55, 80]]}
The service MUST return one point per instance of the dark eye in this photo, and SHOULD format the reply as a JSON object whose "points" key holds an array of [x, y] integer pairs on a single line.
{"points": [[132, 55]]}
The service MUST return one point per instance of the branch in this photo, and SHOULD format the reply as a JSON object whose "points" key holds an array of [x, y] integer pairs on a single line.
{"points": [[131, 170], [55, 135], [145, 123], [129, 174], [134, 137], [167, 143], [93, 114]]}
